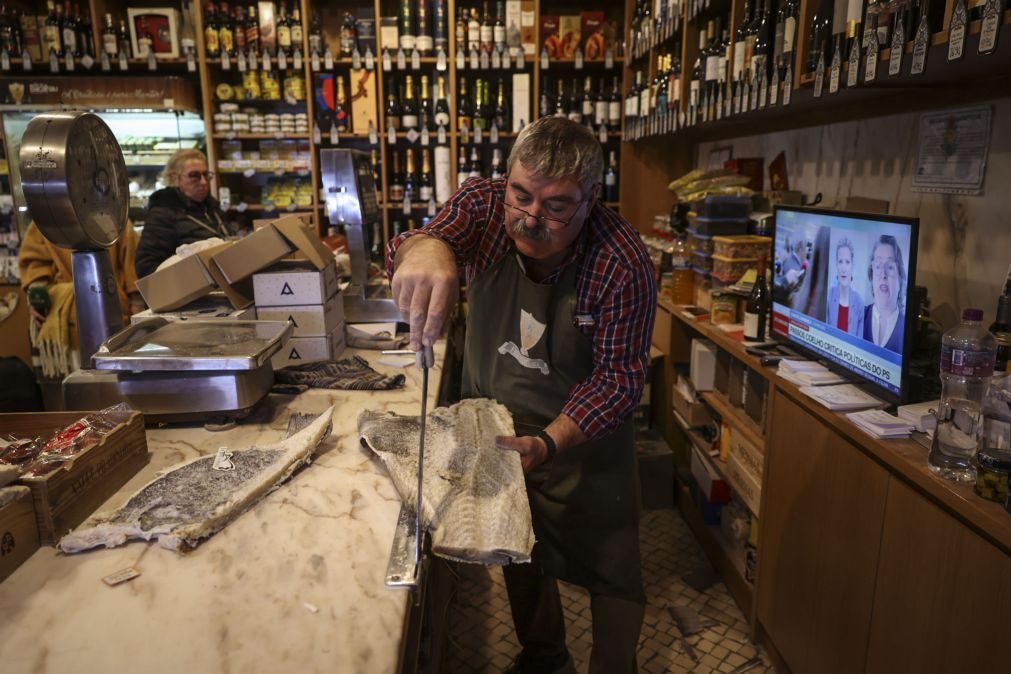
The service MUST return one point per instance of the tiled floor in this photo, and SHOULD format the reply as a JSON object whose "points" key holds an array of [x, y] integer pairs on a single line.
{"points": [[482, 638]]}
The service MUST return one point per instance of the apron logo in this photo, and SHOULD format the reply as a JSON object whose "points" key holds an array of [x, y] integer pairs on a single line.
{"points": [[531, 331]]}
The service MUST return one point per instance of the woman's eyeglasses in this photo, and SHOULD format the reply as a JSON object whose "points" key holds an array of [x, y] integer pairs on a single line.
{"points": [[197, 175]]}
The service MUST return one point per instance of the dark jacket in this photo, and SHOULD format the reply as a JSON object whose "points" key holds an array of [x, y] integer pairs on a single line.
{"points": [[172, 220], [895, 340]]}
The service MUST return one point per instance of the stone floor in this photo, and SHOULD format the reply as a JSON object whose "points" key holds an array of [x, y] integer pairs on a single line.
{"points": [[481, 630]]}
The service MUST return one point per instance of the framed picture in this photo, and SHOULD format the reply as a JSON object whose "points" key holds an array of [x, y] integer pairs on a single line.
{"points": [[719, 156]]}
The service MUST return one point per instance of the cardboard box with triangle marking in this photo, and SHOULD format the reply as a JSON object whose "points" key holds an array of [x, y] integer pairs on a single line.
{"points": [[311, 320], [293, 283], [300, 350]]}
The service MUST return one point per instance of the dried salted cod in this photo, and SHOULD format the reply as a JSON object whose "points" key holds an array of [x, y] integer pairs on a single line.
{"points": [[474, 497]]}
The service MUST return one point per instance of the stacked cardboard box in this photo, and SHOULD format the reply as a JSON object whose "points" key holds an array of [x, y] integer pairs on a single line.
{"points": [[296, 291]]}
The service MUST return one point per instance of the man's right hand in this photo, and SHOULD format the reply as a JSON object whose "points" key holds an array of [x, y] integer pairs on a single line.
{"points": [[425, 286]]}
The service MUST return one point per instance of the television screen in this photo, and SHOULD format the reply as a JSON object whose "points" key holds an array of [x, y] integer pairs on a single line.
{"points": [[840, 287]]}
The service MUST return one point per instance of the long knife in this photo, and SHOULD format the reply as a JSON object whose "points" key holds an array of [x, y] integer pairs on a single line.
{"points": [[425, 360]]}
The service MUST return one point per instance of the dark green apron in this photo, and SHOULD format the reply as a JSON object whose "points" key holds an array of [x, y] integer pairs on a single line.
{"points": [[524, 350]]}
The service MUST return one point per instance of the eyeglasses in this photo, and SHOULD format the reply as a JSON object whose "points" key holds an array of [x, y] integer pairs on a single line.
{"points": [[197, 175], [545, 221], [887, 268]]}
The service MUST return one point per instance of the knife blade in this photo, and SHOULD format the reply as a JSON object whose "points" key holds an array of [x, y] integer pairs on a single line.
{"points": [[425, 359]]}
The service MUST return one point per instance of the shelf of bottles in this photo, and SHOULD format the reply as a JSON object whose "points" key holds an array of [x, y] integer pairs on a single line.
{"points": [[696, 62]]}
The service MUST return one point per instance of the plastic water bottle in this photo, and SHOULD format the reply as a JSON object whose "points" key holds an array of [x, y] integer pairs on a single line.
{"points": [[968, 353]]}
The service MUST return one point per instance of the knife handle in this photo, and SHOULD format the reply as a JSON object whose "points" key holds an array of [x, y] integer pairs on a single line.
{"points": [[425, 358]]}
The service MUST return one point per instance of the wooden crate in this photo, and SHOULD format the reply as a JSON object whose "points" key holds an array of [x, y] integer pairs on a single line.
{"points": [[19, 535], [65, 498]]}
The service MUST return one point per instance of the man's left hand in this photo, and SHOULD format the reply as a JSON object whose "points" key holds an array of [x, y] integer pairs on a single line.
{"points": [[532, 450]]}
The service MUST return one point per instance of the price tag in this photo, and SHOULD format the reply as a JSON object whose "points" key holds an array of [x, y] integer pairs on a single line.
{"points": [[266, 60], [853, 74], [373, 134], [370, 59], [521, 61], [544, 59], [401, 60], [152, 62], [314, 62], [897, 51], [474, 62], [774, 88], [788, 84], [602, 133], [415, 60], [493, 134], [335, 136], [873, 56], [424, 135], [226, 61], [391, 135], [990, 27], [833, 80], [920, 46], [440, 60], [270, 207], [485, 61], [54, 61], [507, 62], [442, 135], [460, 59], [412, 135], [5, 60], [282, 60], [755, 89], [478, 135], [431, 206], [736, 96], [87, 61], [317, 135], [406, 207], [296, 59], [230, 135], [279, 171], [249, 172], [356, 60], [107, 66], [240, 62], [68, 61], [328, 59], [719, 104], [496, 60], [291, 207], [191, 61], [387, 61], [464, 135], [124, 62], [578, 60], [819, 76], [252, 61], [763, 90], [609, 58], [956, 32], [242, 206]]}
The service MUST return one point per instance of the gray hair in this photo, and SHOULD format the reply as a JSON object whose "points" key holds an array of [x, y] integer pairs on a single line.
{"points": [[174, 167], [555, 147]]}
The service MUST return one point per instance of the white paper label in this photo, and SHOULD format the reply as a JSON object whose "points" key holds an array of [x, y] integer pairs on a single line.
{"points": [[853, 74], [819, 76], [956, 32], [401, 60], [833, 80], [415, 60], [919, 62], [226, 61], [873, 54], [990, 27]]}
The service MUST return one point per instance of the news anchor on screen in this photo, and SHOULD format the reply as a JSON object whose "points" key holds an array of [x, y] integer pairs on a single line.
{"points": [[845, 306], [883, 322]]}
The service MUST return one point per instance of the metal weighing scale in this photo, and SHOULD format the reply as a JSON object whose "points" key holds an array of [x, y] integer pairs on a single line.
{"points": [[350, 192], [75, 185]]}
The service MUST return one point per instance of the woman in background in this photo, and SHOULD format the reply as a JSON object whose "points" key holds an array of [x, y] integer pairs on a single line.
{"points": [[183, 212], [887, 274], [845, 306]]}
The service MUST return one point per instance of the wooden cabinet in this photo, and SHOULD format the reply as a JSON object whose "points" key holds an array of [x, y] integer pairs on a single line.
{"points": [[821, 533], [943, 595]]}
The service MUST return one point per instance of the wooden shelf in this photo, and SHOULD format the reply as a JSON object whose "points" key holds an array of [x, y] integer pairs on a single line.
{"points": [[260, 136], [737, 418]]}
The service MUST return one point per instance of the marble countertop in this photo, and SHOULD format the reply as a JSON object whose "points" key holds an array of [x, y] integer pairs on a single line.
{"points": [[296, 584]]}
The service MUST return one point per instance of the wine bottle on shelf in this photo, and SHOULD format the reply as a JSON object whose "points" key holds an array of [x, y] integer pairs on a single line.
{"points": [[68, 28], [611, 178], [239, 31], [110, 42], [487, 31], [561, 103], [762, 55], [226, 31], [854, 17], [283, 31], [315, 34], [614, 106], [460, 33], [473, 31], [464, 111], [474, 168], [462, 170], [442, 105], [821, 30], [788, 11], [674, 87], [392, 107], [497, 171], [52, 40], [341, 109], [85, 33], [295, 26], [589, 102], [376, 168], [348, 36], [145, 41], [499, 31], [441, 33], [407, 35], [757, 307], [740, 43], [252, 29], [426, 185], [575, 108], [600, 105], [480, 105], [124, 39], [751, 36], [425, 104], [409, 107], [423, 40], [502, 109], [712, 56], [698, 78], [396, 180]]}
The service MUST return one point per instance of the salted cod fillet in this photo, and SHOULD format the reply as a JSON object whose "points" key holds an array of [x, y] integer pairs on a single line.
{"points": [[474, 497], [192, 501]]}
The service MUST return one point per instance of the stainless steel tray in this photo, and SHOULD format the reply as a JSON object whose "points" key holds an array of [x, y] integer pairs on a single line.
{"points": [[160, 345]]}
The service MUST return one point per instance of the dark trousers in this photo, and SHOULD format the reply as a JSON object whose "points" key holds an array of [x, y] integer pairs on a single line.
{"points": [[540, 624]]}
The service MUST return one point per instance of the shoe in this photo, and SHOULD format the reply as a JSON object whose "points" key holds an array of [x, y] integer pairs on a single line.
{"points": [[519, 667]]}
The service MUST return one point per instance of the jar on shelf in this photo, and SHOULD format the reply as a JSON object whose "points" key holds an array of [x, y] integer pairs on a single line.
{"points": [[993, 466]]}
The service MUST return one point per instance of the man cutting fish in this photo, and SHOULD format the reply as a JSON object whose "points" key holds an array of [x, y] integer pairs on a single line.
{"points": [[561, 306]]}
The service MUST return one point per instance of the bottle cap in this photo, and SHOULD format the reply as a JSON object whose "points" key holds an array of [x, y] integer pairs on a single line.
{"points": [[972, 315], [996, 460]]}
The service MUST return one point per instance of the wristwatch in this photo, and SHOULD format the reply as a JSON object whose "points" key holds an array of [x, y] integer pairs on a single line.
{"points": [[552, 447]]}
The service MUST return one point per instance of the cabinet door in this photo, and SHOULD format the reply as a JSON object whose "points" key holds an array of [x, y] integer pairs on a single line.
{"points": [[821, 530], [943, 600]]}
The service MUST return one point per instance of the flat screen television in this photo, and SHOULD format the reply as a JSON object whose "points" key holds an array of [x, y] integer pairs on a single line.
{"points": [[841, 288]]}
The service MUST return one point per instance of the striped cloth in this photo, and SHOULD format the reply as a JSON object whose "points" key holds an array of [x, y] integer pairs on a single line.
{"points": [[348, 374]]}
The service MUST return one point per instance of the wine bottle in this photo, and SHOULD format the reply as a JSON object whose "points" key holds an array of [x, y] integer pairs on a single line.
{"points": [[425, 104], [751, 36], [341, 114], [762, 55], [473, 31], [440, 31], [475, 163], [497, 172], [69, 31], [499, 32], [502, 111], [442, 105], [123, 36], [226, 31], [561, 104], [611, 178], [464, 118], [589, 102], [315, 34], [740, 42], [407, 39], [85, 34], [487, 30], [462, 170], [410, 179], [52, 41], [283, 31], [614, 106], [575, 108], [109, 41], [600, 105], [348, 36], [460, 34], [426, 185], [757, 307], [481, 112], [409, 107], [252, 29], [821, 34], [295, 25], [239, 30], [145, 41], [423, 40], [396, 180], [392, 107]]}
